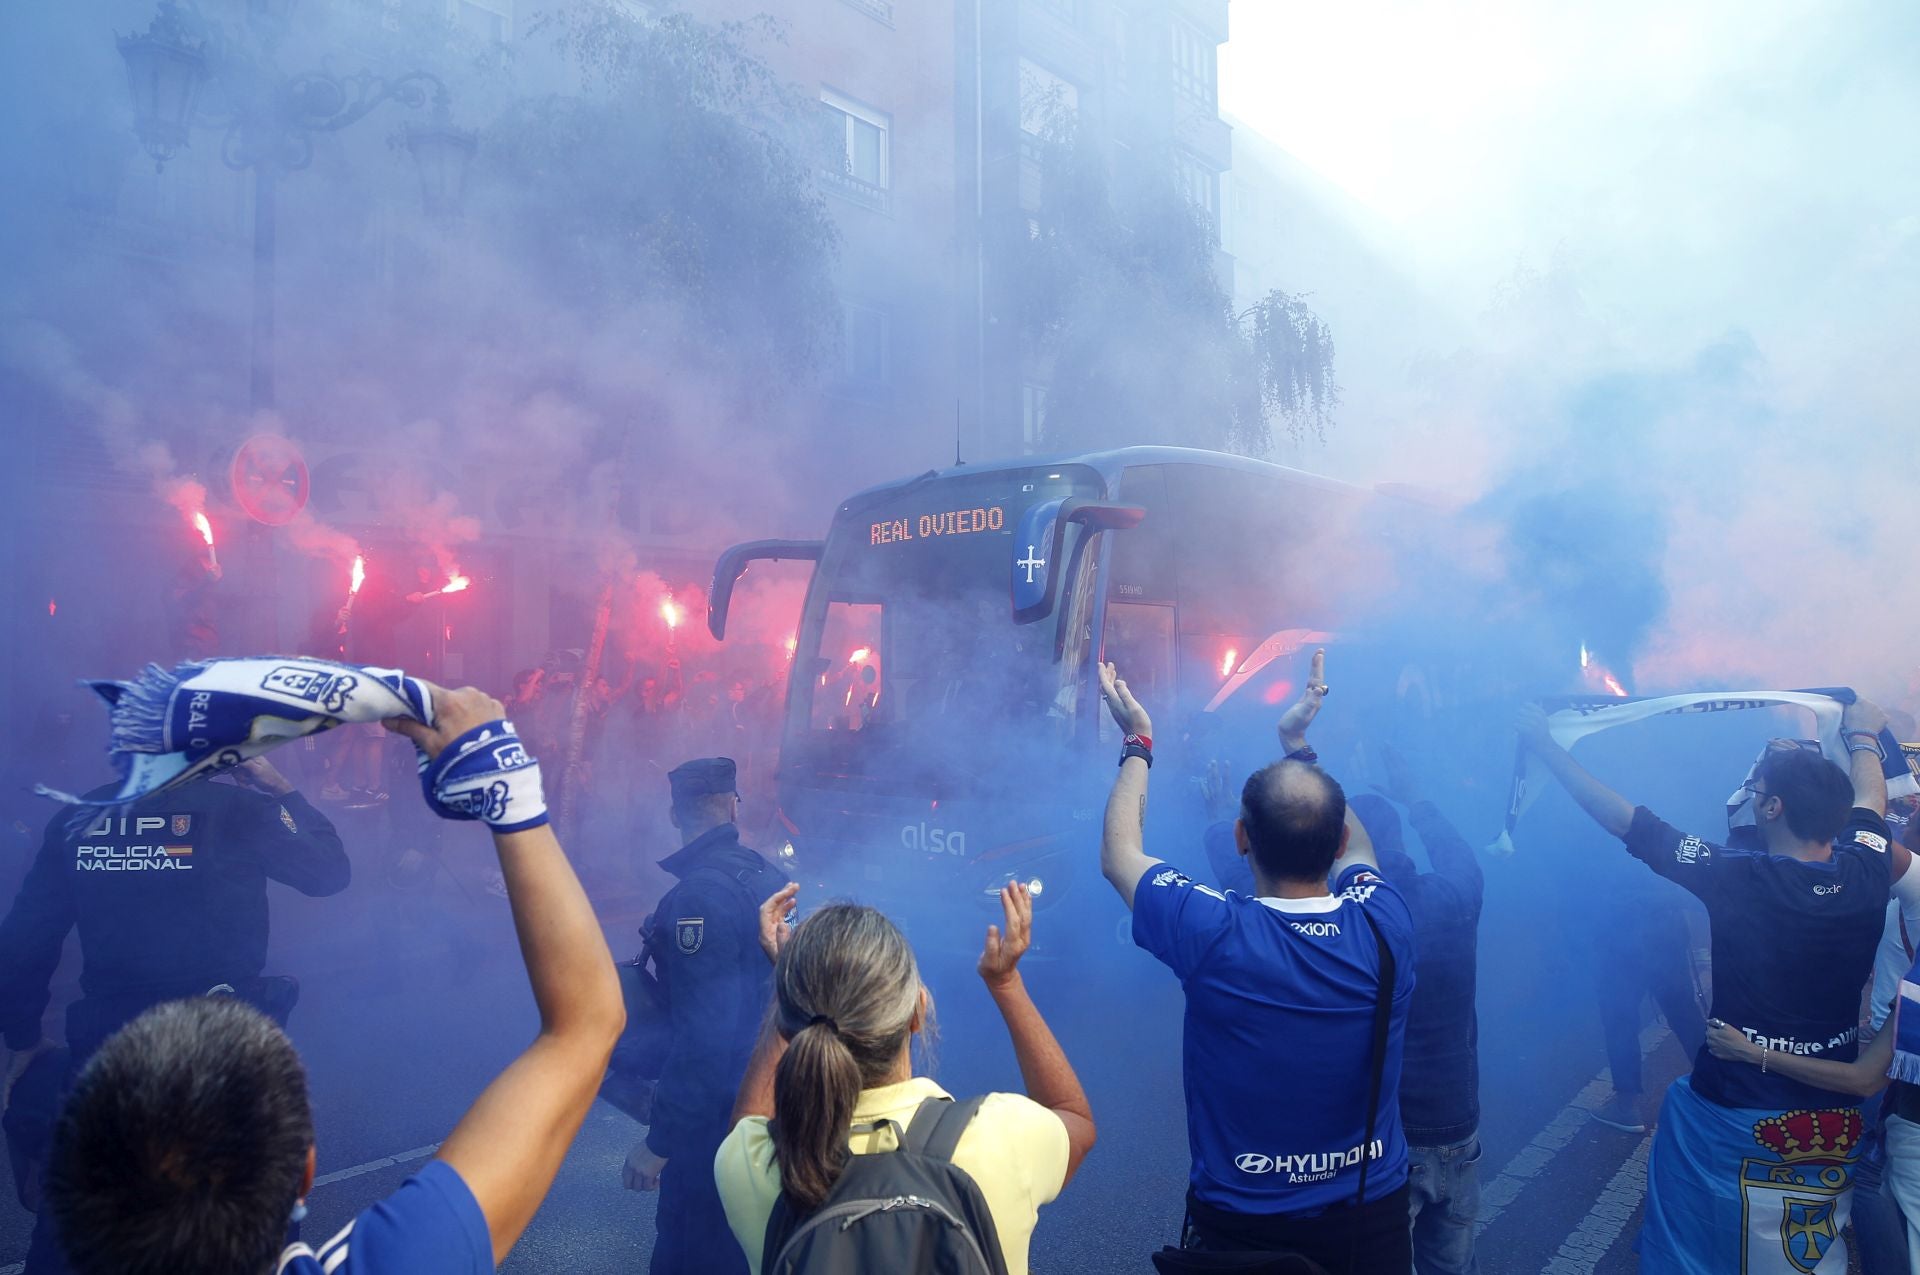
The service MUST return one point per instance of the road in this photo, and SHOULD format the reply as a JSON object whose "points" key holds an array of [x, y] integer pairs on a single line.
{"points": [[422, 1000]]}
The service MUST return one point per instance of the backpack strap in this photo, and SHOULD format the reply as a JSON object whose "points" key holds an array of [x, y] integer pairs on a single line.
{"points": [[1382, 1024], [936, 1127]]}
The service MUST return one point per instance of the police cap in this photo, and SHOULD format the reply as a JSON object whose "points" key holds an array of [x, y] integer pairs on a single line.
{"points": [[702, 777]]}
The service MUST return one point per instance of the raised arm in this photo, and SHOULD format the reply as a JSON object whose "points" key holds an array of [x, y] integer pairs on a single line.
{"points": [[1123, 855], [1044, 1068], [298, 844], [1860, 727], [1609, 809], [1864, 1076], [509, 1145]]}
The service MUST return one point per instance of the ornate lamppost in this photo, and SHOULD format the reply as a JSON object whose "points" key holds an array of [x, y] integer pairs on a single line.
{"points": [[268, 120]]}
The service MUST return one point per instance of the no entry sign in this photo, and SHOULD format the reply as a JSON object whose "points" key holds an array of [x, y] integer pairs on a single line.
{"points": [[269, 479]]}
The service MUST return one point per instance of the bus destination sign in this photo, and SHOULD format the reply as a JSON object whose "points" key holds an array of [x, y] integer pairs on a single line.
{"points": [[954, 522]]}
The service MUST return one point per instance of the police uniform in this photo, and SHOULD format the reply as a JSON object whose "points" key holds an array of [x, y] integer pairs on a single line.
{"points": [[170, 900], [704, 942]]}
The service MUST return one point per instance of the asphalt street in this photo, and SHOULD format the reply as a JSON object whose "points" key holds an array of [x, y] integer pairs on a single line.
{"points": [[411, 1002]]}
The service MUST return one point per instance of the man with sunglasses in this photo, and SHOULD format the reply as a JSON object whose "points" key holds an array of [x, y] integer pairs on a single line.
{"points": [[1751, 1171]]}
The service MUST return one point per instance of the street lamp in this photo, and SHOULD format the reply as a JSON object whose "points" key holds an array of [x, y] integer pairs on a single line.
{"points": [[441, 153], [270, 124], [166, 69]]}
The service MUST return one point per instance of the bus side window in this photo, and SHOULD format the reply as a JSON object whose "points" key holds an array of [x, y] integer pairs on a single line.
{"points": [[1138, 642]]}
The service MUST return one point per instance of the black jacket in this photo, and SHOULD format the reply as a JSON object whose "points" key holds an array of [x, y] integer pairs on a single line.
{"points": [[170, 898], [1440, 1077], [705, 940]]}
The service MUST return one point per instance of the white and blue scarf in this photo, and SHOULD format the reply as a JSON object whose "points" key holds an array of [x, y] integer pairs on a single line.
{"points": [[172, 727], [1906, 1041], [1576, 719]]}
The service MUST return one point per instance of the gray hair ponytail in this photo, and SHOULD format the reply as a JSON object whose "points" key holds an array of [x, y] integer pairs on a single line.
{"points": [[845, 991]]}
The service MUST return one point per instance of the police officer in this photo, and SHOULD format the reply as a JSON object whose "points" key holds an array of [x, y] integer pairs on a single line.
{"points": [[703, 940], [170, 898]]}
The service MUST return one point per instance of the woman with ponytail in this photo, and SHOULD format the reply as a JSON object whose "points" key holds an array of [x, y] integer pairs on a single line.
{"points": [[832, 1076]]}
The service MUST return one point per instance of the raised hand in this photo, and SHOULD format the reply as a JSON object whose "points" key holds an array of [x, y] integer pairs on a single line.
{"points": [[454, 714], [1127, 713], [1864, 715], [1300, 714], [774, 915], [259, 774], [999, 962], [1530, 724]]}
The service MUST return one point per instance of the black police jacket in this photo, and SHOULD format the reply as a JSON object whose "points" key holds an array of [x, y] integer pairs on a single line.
{"points": [[169, 896], [704, 938]]}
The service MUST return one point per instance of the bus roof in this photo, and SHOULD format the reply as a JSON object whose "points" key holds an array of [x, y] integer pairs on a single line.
{"points": [[1108, 465]]}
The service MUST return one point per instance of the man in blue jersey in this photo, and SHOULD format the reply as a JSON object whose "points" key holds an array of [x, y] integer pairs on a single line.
{"points": [[187, 1144], [1288, 982], [1751, 1170]]}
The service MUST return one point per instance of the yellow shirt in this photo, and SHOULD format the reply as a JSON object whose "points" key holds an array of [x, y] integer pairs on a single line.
{"points": [[1015, 1149]]}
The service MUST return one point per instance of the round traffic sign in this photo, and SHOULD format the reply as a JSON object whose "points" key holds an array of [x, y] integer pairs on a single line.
{"points": [[269, 479]]}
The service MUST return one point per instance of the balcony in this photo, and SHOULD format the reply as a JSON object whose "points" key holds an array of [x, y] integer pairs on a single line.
{"points": [[855, 191]]}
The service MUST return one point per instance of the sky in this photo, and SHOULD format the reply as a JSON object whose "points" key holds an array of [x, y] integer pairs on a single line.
{"points": [[1702, 167], [1669, 261]]}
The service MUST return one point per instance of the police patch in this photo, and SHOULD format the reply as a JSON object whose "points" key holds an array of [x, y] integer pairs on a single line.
{"points": [[182, 824], [690, 932]]}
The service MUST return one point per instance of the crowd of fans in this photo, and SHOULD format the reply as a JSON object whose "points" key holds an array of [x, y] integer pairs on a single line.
{"points": [[1329, 1045]]}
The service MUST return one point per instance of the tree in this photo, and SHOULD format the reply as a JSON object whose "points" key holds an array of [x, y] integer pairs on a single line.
{"points": [[678, 183], [1118, 290]]}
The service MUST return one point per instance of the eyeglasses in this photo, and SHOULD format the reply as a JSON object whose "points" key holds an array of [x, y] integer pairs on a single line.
{"points": [[1753, 786]]}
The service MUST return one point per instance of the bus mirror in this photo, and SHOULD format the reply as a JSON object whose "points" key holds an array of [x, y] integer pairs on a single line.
{"points": [[1040, 540], [734, 561]]}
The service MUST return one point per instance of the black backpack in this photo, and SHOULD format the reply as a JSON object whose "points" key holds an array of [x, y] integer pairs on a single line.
{"points": [[909, 1210]]}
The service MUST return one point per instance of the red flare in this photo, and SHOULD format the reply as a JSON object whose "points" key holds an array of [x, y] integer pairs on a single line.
{"points": [[52, 606], [359, 576], [204, 527], [1228, 661], [455, 584], [672, 612], [863, 653]]}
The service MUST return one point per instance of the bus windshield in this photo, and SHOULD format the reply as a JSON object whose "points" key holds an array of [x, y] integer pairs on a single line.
{"points": [[908, 655]]}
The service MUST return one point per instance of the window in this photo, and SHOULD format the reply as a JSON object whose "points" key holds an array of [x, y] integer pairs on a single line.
{"points": [[1049, 103], [866, 165], [1033, 416], [1193, 64], [487, 19], [852, 661], [1201, 185], [864, 346]]}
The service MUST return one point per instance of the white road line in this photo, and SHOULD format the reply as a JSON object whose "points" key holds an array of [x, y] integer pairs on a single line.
{"points": [[1519, 1172], [385, 1162], [1597, 1233]]}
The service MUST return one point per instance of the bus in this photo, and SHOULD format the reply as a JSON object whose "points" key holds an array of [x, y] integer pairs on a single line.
{"points": [[943, 722]]}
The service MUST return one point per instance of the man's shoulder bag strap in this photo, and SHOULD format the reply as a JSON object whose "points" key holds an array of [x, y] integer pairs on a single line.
{"points": [[1382, 1024]]}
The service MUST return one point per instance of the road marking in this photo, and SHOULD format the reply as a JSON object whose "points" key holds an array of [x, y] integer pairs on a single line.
{"points": [[1597, 1233], [384, 1162], [1519, 1172]]}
